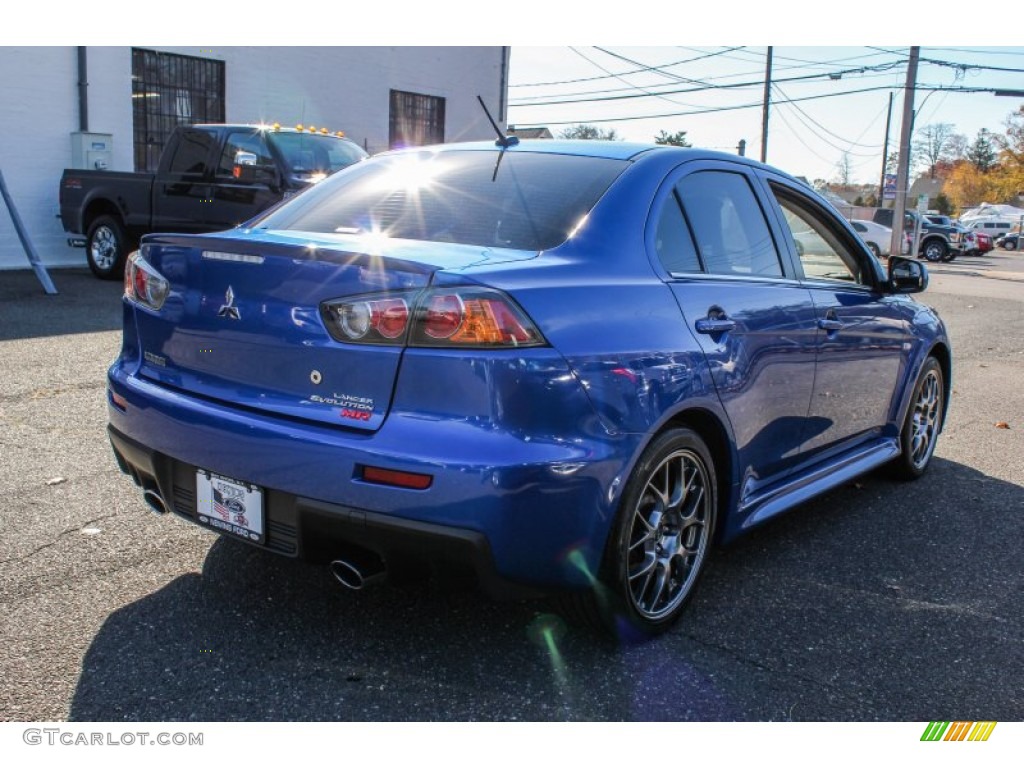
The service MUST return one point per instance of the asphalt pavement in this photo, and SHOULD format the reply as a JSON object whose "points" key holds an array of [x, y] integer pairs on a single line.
{"points": [[878, 601]]}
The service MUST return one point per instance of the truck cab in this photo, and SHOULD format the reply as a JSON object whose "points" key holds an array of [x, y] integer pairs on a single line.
{"points": [[209, 178]]}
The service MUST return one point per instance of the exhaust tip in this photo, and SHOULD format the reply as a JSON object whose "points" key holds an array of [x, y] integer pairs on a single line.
{"points": [[155, 502], [357, 575], [348, 575]]}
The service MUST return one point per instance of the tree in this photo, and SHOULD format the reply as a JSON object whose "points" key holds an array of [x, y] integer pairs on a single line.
{"points": [[677, 139], [583, 131], [966, 186], [933, 144], [942, 204], [844, 171], [982, 153]]}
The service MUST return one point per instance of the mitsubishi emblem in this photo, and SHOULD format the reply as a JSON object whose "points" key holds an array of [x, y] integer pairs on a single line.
{"points": [[229, 309]]}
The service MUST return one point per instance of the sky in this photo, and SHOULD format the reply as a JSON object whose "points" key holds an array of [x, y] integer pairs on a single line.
{"points": [[690, 49], [691, 88]]}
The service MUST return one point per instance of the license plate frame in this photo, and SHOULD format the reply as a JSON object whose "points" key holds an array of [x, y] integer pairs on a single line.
{"points": [[231, 506]]}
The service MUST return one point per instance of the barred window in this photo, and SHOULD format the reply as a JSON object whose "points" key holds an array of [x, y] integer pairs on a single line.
{"points": [[168, 90], [416, 120]]}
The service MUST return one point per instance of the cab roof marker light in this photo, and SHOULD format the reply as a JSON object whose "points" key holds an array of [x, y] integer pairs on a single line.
{"points": [[244, 258]]}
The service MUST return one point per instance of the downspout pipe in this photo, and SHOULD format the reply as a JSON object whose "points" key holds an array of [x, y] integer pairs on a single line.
{"points": [[83, 89]]}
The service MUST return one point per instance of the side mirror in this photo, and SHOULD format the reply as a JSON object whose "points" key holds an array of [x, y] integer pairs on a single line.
{"points": [[245, 167], [907, 275]]}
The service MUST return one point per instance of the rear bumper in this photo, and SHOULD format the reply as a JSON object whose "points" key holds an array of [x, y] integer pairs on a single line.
{"points": [[530, 512]]}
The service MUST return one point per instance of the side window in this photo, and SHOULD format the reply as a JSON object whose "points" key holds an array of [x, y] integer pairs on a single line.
{"points": [[672, 240], [731, 234], [859, 227], [244, 141], [822, 253], [191, 153]]}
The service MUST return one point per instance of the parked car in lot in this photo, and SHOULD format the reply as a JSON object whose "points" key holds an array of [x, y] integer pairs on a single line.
{"points": [[976, 243], [210, 177], [1009, 242], [570, 367], [877, 237]]}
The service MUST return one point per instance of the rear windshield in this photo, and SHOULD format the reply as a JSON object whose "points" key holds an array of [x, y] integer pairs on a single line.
{"points": [[529, 201]]}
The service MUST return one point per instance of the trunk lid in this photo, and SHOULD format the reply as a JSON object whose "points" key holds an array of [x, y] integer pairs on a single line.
{"points": [[242, 321]]}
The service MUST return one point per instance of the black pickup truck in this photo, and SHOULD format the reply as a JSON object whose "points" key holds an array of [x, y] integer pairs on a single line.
{"points": [[940, 241], [210, 178]]}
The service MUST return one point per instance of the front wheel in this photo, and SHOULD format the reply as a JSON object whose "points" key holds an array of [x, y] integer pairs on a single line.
{"points": [[935, 250], [921, 426], [875, 250], [106, 248], [660, 541], [1010, 245]]}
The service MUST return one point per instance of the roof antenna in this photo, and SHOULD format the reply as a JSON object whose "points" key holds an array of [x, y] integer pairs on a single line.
{"points": [[502, 141]]}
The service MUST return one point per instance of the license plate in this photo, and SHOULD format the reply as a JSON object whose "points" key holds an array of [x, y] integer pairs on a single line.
{"points": [[230, 506]]}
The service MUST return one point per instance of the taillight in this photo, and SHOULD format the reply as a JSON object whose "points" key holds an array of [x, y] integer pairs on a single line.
{"points": [[143, 284], [374, 319], [471, 317], [449, 317]]}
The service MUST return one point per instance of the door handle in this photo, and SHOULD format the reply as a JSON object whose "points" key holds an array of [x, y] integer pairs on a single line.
{"points": [[713, 325], [830, 322]]}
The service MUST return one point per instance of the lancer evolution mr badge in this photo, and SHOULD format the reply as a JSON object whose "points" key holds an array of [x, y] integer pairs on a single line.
{"points": [[229, 309]]}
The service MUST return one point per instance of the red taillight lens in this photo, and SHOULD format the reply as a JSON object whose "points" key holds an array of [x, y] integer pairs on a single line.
{"points": [[143, 284], [451, 317], [381, 319], [472, 317]]}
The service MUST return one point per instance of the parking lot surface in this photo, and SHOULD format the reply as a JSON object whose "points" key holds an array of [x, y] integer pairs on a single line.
{"points": [[879, 601]]}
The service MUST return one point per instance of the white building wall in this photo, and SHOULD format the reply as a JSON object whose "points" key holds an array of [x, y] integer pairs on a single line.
{"points": [[343, 89]]}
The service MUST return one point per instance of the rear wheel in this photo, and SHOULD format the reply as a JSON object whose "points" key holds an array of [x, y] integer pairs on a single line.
{"points": [[106, 248], [660, 541], [1010, 245], [921, 426], [875, 250]]}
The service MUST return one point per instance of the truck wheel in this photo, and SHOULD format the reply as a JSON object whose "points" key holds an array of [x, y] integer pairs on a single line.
{"points": [[935, 250], [106, 248]]}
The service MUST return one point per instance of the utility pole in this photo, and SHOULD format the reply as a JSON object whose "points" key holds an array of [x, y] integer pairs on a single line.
{"points": [[741, 148], [903, 168], [764, 109], [885, 156]]}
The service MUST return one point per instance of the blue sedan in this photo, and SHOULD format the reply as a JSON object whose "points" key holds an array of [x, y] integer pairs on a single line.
{"points": [[570, 367]]}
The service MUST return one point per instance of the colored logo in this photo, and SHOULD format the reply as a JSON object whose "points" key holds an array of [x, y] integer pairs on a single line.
{"points": [[960, 730]]}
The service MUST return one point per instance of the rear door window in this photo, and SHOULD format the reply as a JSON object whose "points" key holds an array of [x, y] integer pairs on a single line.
{"points": [[192, 153], [728, 225]]}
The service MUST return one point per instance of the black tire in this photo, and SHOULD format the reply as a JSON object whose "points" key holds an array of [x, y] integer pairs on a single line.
{"points": [[875, 250], [1010, 245], [106, 248], [659, 543], [934, 250], [921, 426]]}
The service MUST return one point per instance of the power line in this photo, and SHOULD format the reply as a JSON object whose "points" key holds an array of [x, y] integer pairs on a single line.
{"points": [[631, 72], [832, 133], [544, 101], [636, 87], [758, 104], [800, 114]]}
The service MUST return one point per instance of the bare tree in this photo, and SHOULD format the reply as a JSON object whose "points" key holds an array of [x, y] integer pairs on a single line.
{"points": [[844, 170], [933, 144]]}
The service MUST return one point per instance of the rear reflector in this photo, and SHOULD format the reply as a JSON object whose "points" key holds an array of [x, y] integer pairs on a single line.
{"points": [[117, 400], [393, 477]]}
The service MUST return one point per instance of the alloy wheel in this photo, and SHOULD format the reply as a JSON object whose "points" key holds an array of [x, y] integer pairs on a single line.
{"points": [[669, 535], [925, 419]]}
